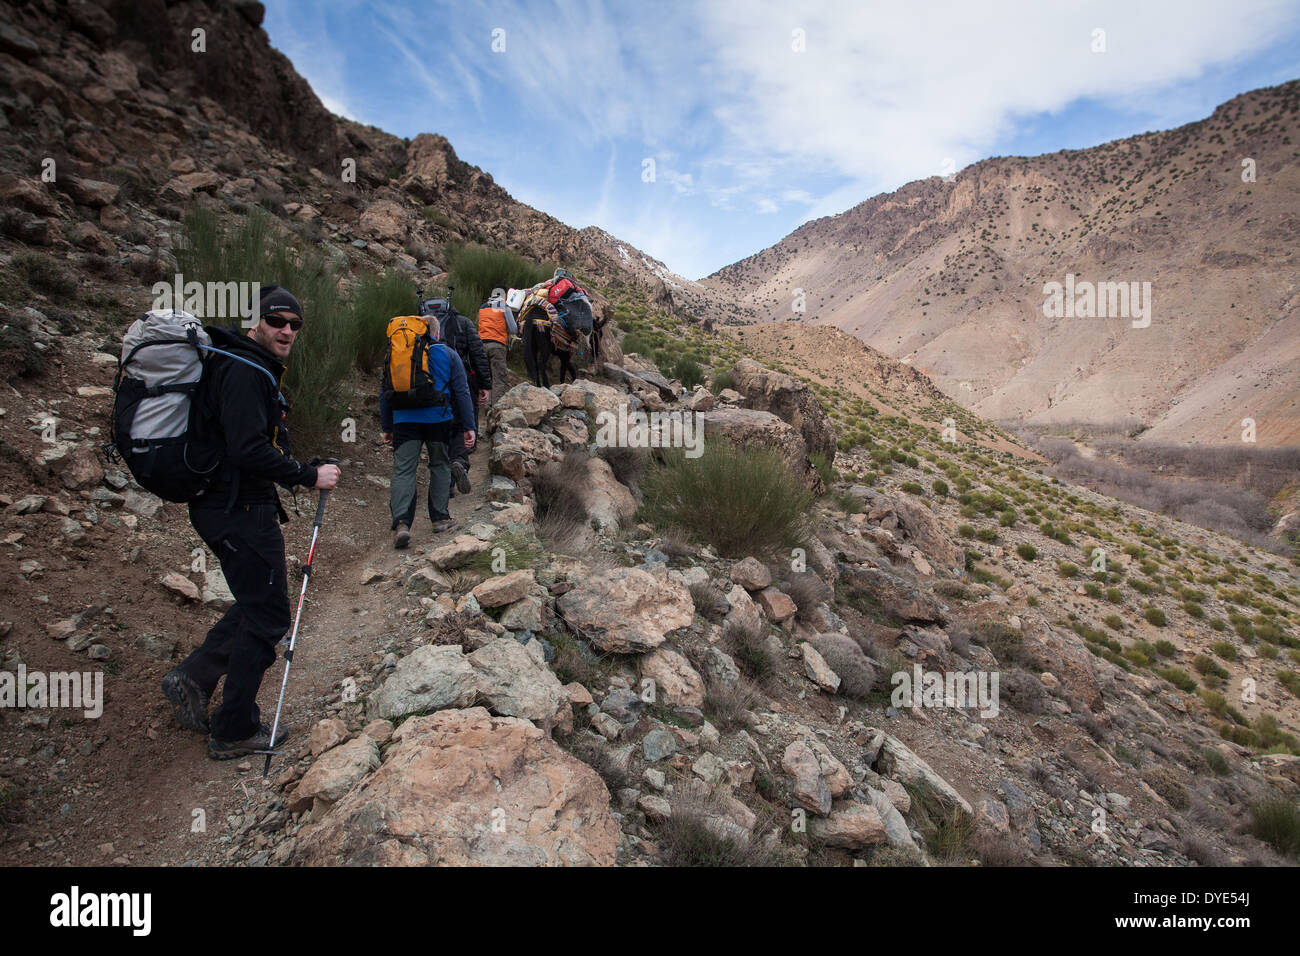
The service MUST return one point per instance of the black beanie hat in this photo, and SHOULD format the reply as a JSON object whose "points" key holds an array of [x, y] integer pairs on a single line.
{"points": [[276, 299]]}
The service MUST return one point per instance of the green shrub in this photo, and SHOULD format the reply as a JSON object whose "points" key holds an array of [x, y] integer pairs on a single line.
{"points": [[377, 298], [1205, 664], [1290, 680], [912, 488], [687, 371], [1067, 570], [1225, 649], [1141, 587], [987, 535], [476, 271], [1027, 551], [740, 500], [1113, 621], [1155, 616], [1166, 648], [1092, 590], [1215, 702], [939, 487], [45, 274], [1007, 518], [1179, 678], [721, 380], [1276, 821], [965, 531], [253, 250], [824, 468]]}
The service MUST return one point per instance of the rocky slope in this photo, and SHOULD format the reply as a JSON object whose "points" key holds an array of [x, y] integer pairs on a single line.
{"points": [[137, 122], [949, 277], [559, 682]]}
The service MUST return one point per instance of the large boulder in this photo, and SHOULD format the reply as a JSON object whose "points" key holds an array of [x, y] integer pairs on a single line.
{"points": [[603, 398], [429, 678], [789, 399], [898, 598], [607, 501], [850, 826], [520, 453], [627, 610], [525, 404], [504, 589], [678, 683], [897, 760], [463, 788], [384, 220], [513, 683], [918, 526], [748, 427], [333, 774], [817, 776]]}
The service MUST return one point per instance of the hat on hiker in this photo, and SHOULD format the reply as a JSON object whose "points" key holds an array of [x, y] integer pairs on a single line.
{"points": [[277, 299]]}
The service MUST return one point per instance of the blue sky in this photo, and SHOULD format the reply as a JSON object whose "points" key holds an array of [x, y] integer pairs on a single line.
{"points": [[761, 115]]}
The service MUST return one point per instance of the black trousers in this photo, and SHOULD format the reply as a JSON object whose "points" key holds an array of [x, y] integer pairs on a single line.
{"points": [[241, 646]]}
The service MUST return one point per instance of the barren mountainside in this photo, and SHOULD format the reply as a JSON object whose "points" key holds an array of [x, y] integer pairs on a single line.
{"points": [[950, 276]]}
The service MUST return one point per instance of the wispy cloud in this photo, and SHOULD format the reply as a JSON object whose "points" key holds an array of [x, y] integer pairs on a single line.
{"points": [[750, 137]]}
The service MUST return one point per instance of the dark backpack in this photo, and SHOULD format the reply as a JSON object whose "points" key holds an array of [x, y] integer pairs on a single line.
{"points": [[165, 357]]}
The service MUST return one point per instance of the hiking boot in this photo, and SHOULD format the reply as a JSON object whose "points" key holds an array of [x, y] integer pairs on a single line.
{"points": [[189, 703], [401, 536], [460, 474], [440, 526], [260, 742]]}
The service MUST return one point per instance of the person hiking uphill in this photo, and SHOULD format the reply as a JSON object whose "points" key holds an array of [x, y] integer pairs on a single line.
{"points": [[447, 417], [496, 323], [238, 518], [458, 334]]}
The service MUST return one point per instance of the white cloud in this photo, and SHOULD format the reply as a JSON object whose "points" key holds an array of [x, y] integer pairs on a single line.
{"points": [[885, 92]]}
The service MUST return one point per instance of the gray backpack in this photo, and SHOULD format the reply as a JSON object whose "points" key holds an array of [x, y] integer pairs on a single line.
{"points": [[164, 356]]}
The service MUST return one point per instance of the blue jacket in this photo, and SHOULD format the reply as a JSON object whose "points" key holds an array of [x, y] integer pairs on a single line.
{"points": [[444, 365]]}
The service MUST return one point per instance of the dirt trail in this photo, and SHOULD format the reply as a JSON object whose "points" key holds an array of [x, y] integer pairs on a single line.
{"points": [[132, 797]]}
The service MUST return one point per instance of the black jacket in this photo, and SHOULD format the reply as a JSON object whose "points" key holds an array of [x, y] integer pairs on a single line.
{"points": [[458, 332], [238, 407]]}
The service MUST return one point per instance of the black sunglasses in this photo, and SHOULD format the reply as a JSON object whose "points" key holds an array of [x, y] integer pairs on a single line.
{"points": [[277, 321]]}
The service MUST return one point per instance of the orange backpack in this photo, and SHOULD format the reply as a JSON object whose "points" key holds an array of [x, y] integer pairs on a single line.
{"points": [[407, 381], [492, 325]]}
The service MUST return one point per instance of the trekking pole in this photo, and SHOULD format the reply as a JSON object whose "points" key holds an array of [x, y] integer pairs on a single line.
{"points": [[288, 654]]}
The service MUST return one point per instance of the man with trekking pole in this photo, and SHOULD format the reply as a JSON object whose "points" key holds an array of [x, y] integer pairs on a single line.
{"points": [[238, 518]]}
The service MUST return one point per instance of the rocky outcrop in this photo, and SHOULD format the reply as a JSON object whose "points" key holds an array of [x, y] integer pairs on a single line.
{"points": [[790, 400], [627, 610], [464, 788], [751, 428]]}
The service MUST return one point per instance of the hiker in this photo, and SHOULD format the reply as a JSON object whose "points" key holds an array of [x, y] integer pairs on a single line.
{"points": [[459, 334], [496, 323], [238, 517], [442, 414]]}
